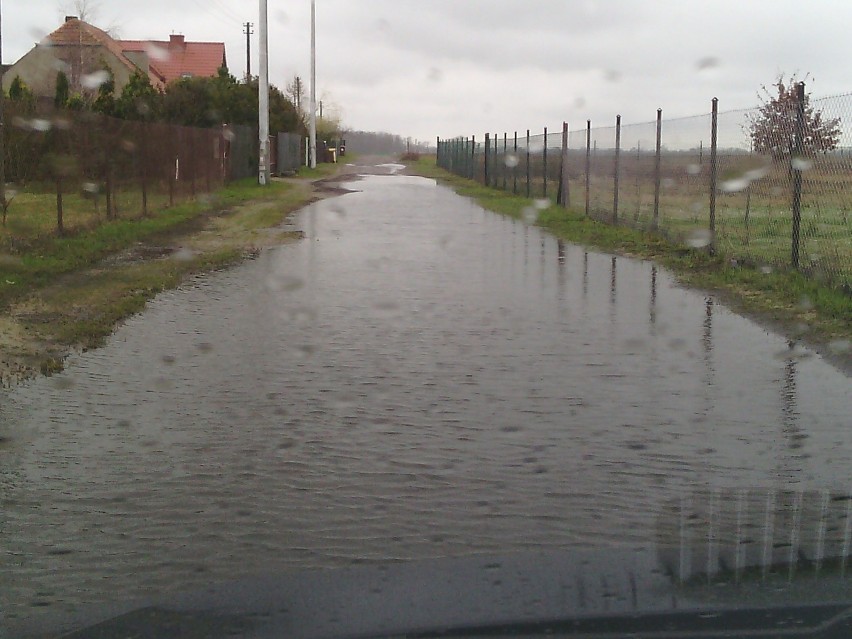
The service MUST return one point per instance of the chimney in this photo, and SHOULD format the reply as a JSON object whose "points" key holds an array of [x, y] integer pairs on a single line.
{"points": [[176, 41], [70, 18]]}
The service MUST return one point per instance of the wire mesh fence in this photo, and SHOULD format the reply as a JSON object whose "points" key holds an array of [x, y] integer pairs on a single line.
{"points": [[97, 168], [762, 190]]}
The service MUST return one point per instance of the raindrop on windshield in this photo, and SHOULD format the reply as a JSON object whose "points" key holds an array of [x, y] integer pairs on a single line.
{"points": [[157, 53], [693, 169], [708, 62], [94, 80], [802, 164], [183, 255], [699, 238], [840, 346], [511, 160], [734, 185]]}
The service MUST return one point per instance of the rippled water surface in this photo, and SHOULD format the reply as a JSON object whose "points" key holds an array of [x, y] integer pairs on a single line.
{"points": [[416, 378]]}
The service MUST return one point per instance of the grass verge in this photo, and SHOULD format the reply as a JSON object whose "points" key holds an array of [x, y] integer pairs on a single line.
{"points": [[799, 307], [58, 293]]}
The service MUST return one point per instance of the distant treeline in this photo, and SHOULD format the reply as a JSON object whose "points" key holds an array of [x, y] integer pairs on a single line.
{"points": [[370, 142]]}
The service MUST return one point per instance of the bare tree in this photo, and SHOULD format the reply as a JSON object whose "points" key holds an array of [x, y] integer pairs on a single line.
{"points": [[295, 89]]}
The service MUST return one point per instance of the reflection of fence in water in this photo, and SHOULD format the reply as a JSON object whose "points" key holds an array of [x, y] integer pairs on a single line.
{"points": [[719, 534]]}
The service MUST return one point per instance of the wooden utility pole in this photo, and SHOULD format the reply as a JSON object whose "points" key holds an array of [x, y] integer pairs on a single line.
{"points": [[248, 31]]}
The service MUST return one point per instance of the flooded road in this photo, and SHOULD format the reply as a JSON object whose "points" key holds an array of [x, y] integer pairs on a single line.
{"points": [[417, 378]]}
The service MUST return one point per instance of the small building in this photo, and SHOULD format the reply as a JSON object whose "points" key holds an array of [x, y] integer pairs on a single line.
{"points": [[80, 49]]}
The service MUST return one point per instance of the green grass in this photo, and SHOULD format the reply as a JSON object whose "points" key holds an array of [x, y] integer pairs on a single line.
{"points": [[34, 257], [783, 295]]}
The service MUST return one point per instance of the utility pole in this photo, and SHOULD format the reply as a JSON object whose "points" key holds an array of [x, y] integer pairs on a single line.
{"points": [[263, 98], [312, 128], [320, 103], [2, 126], [248, 31]]}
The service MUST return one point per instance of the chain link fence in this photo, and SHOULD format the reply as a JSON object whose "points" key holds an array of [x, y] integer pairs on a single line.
{"points": [[698, 180]]}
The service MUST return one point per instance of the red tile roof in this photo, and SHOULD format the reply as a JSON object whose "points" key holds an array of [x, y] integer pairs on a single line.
{"points": [[167, 60], [75, 32], [177, 58]]}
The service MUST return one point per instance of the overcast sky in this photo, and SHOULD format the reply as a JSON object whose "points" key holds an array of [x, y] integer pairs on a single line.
{"points": [[424, 68]]}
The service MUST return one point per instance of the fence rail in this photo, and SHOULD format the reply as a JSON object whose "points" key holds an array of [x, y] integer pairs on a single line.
{"points": [[696, 180]]}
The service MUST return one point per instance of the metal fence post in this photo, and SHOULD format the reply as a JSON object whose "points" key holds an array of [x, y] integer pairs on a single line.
{"points": [[472, 157], [564, 192], [528, 163], [795, 160], [515, 165], [503, 168], [487, 144], [714, 122], [544, 166], [657, 169], [588, 162], [616, 169]]}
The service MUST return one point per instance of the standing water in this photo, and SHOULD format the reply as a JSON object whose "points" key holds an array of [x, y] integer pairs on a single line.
{"points": [[417, 378]]}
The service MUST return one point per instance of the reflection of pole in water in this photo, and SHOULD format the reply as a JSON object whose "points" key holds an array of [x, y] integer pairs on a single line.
{"points": [[707, 335], [612, 281], [790, 462], [652, 311], [585, 274], [560, 251]]}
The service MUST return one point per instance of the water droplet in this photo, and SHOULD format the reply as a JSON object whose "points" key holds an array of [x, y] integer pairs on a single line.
{"points": [[734, 185], [305, 350], [63, 383], [776, 191], [229, 135], [511, 160], [766, 270], [541, 203], [157, 53], [793, 352], [697, 206], [699, 238], [90, 188], [756, 174], [668, 183], [40, 125], [204, 347], [168, 359], [708, 62], [183, 254], [805, 303], [693, 169], [282, 17], [284, 283], [840, 346], [94, 80], [611, 75], [339, 211], [435, 75], [529, 214], [802, 164]]}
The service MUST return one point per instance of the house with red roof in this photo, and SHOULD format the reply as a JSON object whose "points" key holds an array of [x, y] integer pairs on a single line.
{"points": [[83, 52]]}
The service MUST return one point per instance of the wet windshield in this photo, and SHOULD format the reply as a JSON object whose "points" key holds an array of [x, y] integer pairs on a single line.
{"points": [[395, 375]]}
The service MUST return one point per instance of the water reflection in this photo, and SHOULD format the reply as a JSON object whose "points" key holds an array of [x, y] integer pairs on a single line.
{"points": [[411, 398]]}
